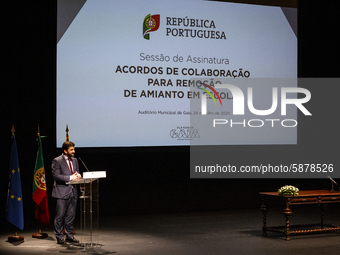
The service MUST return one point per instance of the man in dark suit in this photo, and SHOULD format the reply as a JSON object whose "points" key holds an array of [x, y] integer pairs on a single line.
{"points": [[65, 168]]}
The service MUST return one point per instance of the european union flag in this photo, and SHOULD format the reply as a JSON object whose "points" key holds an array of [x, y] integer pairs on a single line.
{"points": [[14, 208]]}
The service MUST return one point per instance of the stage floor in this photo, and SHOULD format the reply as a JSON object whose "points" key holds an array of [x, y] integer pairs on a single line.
{"points": [[222, 232]]}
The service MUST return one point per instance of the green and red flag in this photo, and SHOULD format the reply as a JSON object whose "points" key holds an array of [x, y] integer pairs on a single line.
{"points": [[39, 193]]}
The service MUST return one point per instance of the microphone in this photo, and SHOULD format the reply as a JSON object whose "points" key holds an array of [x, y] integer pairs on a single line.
{"points": [[333, 182], [84, 164]]}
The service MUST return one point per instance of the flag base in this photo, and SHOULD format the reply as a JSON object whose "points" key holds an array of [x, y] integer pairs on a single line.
{"points": [[15, 238], [40, 235]]}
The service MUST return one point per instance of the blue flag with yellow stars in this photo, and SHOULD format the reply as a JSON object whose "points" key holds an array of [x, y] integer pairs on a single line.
{"points": [[14, 208]]}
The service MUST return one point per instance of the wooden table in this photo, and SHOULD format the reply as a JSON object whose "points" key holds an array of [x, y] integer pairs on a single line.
{"points": [[320, 197]]}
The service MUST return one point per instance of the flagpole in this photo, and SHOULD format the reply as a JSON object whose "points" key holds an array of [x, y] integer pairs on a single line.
{"points": [[15, 238], [39, 235], [67, 136]]}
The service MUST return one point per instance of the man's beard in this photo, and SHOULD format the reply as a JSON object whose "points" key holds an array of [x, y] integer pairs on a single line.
{"points": [[70, 155]]}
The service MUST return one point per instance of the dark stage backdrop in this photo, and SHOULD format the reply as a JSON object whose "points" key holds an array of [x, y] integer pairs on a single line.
{"points": [[139, 180]]}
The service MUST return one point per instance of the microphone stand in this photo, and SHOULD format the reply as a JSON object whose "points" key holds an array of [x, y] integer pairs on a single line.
{"points": [[333, 182], [84, 164]]}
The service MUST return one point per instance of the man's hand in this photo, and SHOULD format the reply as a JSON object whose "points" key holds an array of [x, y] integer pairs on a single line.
{"points": [[75, 176]]}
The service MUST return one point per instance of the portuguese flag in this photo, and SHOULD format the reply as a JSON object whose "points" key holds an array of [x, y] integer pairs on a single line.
{"points": [[39, 194]]}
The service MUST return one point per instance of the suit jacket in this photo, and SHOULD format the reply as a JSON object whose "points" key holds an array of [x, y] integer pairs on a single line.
{"points": [[61, 174]]}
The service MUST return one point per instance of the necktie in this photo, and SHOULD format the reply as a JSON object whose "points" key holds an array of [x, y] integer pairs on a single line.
{"points": [[69, 161]]}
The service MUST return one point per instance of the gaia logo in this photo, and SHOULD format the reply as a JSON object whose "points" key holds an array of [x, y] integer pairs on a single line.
{"points": [[184, 133], [150, 24]]}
